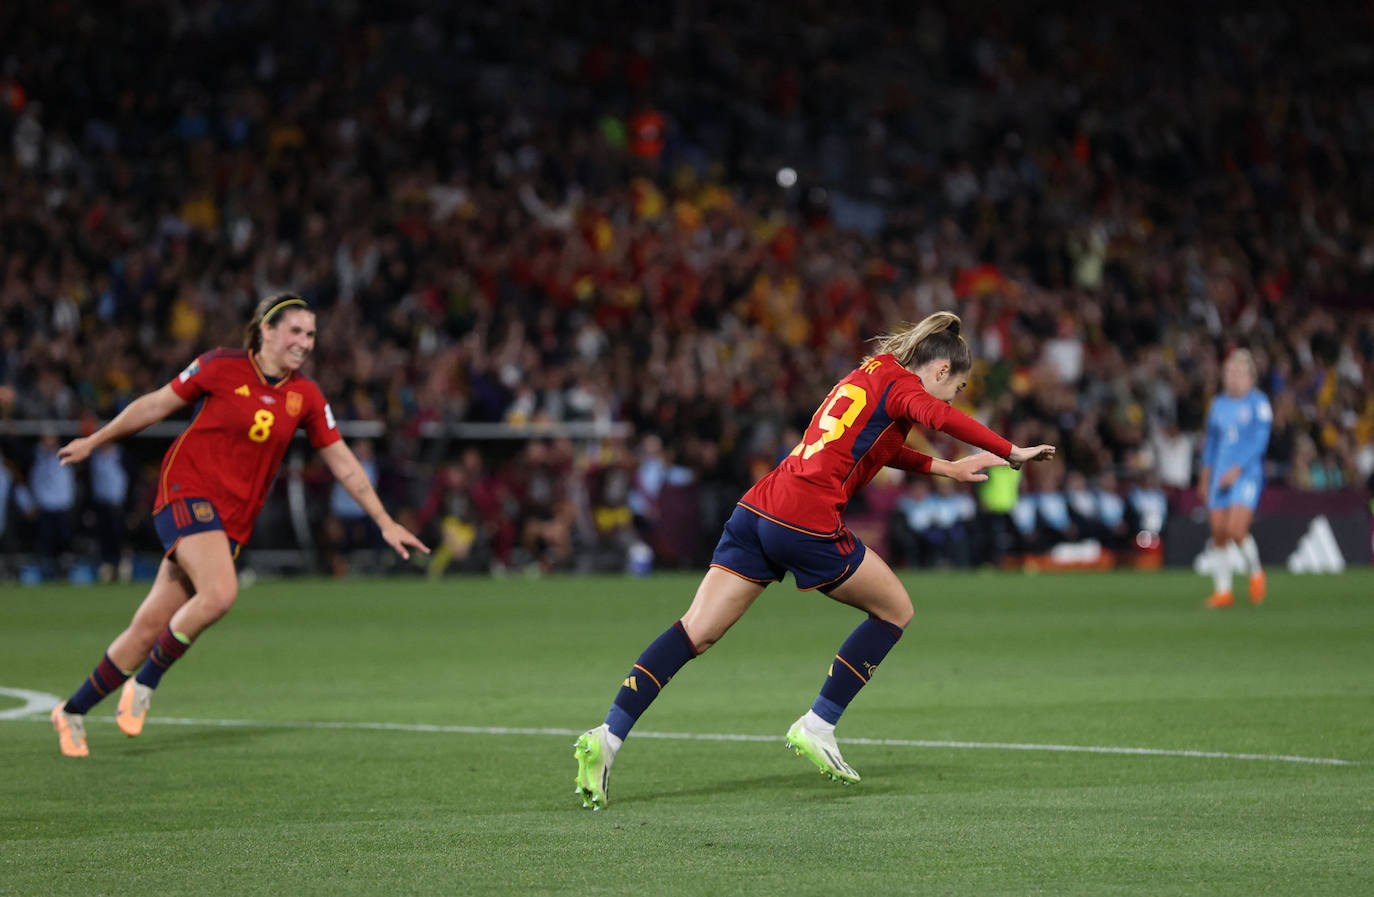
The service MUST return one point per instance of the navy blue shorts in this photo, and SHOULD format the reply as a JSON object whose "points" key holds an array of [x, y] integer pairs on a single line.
{"points": [[762, 549], [182, 517]]}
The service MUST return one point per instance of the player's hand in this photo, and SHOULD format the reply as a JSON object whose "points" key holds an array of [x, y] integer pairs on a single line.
{"points": [[1229, 478], [76, 451], [398, 537], [1020, 455], [970, 469]]}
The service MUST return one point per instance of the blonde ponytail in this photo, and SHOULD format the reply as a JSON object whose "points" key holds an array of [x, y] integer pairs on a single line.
{"points": [[934, 338]]}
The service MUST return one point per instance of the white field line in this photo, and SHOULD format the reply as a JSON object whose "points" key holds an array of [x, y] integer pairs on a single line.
{"points": [[47, 701]]}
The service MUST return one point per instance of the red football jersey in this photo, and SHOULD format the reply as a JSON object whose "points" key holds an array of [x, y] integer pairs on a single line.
{"points": [[860, 427], [243, 422]]}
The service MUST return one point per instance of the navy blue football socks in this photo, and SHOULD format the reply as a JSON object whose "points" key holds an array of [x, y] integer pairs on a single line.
{"points": [[105, 678], [170, 646], [856, 663], [660, 662]]}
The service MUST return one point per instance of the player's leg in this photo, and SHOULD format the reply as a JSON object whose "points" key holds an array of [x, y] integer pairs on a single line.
{"points": [[1218, 520], [169, 592], [140, 642], [721, 599], [738, 573], [875, 589], [207, 561], [1238, 522]]}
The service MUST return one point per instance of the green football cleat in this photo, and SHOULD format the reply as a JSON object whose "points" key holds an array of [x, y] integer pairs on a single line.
{"points": [[820, 749], [593, 767]]}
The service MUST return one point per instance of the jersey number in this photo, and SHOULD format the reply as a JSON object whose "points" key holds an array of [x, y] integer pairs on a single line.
{"points": [[262, 425], [832, 427]]}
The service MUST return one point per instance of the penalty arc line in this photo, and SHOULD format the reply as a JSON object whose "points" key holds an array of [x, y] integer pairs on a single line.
{"points": [[27, 713]]}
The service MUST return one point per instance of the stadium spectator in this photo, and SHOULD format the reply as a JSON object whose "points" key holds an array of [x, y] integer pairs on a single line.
{"points": [[1101, 243], [348, 530], [910, 526], [460, 536], [53, 489], [6, 488], [109, 494]]}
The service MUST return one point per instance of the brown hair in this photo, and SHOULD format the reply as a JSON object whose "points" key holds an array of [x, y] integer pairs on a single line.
{"points": [[268, 311], [934, 338]]}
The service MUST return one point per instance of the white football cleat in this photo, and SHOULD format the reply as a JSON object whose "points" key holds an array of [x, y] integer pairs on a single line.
{"points": [[820, 748]]}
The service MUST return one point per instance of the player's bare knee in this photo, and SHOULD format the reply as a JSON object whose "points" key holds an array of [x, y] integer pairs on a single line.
{"points": [[218, 598], [902, 614]]}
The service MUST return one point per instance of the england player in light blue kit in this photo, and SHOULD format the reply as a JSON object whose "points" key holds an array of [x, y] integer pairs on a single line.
{"points": [[1232, 474]]}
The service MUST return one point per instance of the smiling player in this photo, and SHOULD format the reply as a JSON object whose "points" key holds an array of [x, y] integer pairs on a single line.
{"points": [[214, 481]]}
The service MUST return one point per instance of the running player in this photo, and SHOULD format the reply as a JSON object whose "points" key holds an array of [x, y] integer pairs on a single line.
{"points": [[1232, 475], [214, 480], [792, 520]]}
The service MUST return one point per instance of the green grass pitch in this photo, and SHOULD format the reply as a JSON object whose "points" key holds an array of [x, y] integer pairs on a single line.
{"points": [[963, 792]]}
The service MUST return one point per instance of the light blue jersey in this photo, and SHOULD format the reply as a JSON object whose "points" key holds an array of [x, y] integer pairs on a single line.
{"points": [[1237, 436]]}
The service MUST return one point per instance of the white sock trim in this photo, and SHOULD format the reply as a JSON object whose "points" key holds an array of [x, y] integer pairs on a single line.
{"points": [[813, 722]]}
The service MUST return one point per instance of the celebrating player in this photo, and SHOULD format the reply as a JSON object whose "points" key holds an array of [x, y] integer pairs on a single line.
{"points": [[792, 520], [213, 483], [1232, 475]]}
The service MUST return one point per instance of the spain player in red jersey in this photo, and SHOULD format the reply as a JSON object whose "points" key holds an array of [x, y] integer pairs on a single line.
{"points": [[792, 520], [214, 480]]}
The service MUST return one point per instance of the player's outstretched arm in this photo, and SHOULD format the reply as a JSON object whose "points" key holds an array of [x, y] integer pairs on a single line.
{"points": [[1021, 454], [346, 469], [143, 411], [967, 470]]}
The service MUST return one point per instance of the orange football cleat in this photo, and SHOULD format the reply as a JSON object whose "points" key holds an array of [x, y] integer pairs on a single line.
{"points": [[1258, 587], [71, 732], [1221, 599], [133, 707]]}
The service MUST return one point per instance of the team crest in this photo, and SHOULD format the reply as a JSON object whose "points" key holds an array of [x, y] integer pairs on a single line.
{"points": [[203, 510], [294, 400]]}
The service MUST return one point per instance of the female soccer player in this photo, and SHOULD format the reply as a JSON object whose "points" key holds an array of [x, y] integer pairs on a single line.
{"points": [[1232, 474], [213, 484], [792, 520]]}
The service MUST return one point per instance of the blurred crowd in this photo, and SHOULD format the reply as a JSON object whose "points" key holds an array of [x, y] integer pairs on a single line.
{"points": [[688, 217]]}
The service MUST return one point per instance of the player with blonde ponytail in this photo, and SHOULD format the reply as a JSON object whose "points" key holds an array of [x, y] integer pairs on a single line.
{"points": [[792, 520]]}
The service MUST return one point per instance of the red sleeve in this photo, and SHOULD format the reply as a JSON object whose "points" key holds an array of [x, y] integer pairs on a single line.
{"points": [[912, 460], [962, 427], [319, 421], [909, 399], [193, 382]]}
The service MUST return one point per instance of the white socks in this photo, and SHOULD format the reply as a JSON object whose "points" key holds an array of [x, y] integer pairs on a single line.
{"points": [[1251, 552], [1221, 568], [816, 724]]}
